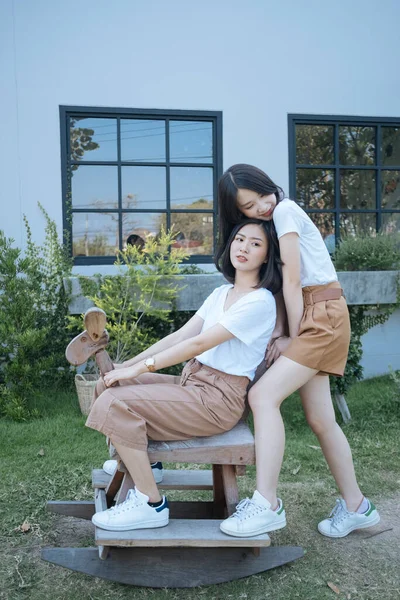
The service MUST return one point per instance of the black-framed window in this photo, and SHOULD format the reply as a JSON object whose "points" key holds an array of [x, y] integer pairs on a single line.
{"points": [[127, 172], [345, 173]]}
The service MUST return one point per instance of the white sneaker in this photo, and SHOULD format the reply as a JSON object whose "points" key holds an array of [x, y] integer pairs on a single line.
{"points": [[341, 521], [110, 465], [253, 517], [134, 513]]}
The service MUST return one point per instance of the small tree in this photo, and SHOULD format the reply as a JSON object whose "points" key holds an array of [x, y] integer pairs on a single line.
{"points": [[146, 285]]}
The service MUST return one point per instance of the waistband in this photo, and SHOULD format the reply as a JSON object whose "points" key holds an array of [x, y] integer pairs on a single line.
{"points": [[321, 293], [194, 366]]}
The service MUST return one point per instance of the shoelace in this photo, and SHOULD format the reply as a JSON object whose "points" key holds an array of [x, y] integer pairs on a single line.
{"points": [[248, 508], [132, 500], [339, 513]]}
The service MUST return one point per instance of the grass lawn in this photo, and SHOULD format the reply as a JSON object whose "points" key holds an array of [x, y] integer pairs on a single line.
{"points": [[52, 457]]}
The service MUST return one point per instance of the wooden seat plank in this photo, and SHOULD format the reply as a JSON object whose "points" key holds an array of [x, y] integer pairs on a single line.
{"points": [[203, 533], [174, 479], [234, 447]]}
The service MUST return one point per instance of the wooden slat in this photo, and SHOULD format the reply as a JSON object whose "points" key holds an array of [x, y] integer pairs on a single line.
{"points": [[174, 568], [230, 488], [100, 502], [202, 533], [235, 447], [174, 479], [79, 509], [114, 484], [219, 494]]}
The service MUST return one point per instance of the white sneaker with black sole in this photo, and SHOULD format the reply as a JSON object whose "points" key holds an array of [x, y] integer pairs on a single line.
{"points": [[341, 521], [110, 465], [254, 516], [134, 513]]}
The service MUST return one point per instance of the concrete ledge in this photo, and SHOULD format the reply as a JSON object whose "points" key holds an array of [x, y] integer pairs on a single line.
{"points": [[360, 287]]}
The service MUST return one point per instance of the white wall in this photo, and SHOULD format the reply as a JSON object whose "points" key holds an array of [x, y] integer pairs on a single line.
{"points": [[256, 61]]}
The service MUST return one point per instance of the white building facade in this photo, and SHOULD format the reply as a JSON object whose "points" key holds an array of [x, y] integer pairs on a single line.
{"points": [[119, 118]]}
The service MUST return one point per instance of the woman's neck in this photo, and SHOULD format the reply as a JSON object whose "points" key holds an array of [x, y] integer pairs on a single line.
{"points": [[245, 282]]}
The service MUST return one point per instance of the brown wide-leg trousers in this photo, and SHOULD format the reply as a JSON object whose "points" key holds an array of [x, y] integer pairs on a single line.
{"points": [[200, 403]]}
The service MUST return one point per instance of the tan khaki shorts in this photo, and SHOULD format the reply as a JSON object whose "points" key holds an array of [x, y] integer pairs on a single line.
{"points": [[200, 403], [324, 334]]}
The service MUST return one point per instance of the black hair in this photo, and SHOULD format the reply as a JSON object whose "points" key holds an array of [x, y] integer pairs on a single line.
{"points": [[240, 176], [135, 240], [270, 271]]}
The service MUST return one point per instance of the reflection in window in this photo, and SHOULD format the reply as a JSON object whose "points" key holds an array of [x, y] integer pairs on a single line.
{"points": [[191, 141], [316, 188], [142, 140], [326, 225], [191, 188], [144, 225], [357, 224], [357, 189], [94, 187], [337, 167], [314, 144], [95, 234], [126, 174], [357, 145], [390, 181], [391, 146], [195, 232], [144, 187], [93, 139]]}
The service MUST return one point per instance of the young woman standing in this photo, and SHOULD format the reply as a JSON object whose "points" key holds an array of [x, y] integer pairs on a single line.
{"points": [[317, 346]]}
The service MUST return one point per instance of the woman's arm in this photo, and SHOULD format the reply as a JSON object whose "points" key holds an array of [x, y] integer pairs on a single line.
{"points": [[292, 294], [184, 350], [189, 330], [289, 245]]}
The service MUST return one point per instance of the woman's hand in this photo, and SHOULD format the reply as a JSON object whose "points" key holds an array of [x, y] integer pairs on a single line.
{"points": [[120, 374], [276, 348], [119, 366]]}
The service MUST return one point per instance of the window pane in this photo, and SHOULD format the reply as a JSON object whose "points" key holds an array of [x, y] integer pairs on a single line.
{"points": [[191, 188], [314, 144], [356, 145], [142, 140], [315, 188], [390, 193], [190, 141], [326, 225], [143, 225], [357, 224], [357, 189], [196, 232], [94, 187], [94, 234], [93, 139], [390, 223], [390, 154], [144, 187]]}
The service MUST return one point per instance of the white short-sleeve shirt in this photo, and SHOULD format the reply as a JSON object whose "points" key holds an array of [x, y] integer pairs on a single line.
{"points": [[316, 265], [251, 319]]}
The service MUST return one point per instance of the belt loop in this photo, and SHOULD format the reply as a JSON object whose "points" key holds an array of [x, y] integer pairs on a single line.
{"points": [[308, 299]]}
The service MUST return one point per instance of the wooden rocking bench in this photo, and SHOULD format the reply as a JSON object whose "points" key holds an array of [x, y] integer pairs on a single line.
{"points": [[191, 550]]}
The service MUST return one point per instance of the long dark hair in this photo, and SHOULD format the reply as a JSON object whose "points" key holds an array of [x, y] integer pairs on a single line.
{"points": [[270, 272], [237, 177]]}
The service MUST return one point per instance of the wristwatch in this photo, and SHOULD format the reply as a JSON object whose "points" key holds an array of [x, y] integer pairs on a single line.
{"points": [[150, 364]]}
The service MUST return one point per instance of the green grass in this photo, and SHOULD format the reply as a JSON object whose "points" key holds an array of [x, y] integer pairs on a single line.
{"points": [[52, 457]]}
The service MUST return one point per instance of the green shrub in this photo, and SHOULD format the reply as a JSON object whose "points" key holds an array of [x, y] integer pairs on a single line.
{"points": [[367, 253], [138, 300], [33, 313]]}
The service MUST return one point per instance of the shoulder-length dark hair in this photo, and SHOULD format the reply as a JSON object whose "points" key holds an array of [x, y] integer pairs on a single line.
{"points": [[270, 271], [240, 176]]}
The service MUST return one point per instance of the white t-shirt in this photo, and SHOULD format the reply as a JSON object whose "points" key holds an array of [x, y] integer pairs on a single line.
{"points": [[251, 319], [316, 267]]}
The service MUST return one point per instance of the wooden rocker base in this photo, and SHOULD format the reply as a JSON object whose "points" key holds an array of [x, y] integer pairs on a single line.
{"points": [[172, 567]]}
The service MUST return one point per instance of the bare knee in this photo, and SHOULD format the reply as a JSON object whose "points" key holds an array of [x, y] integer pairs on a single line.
{"points": [[260, 401], [321, 426]]}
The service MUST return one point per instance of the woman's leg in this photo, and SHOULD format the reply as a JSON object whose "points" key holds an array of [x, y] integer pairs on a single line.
{"points": [[138, 464], [317, 403], [265, 398]]}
